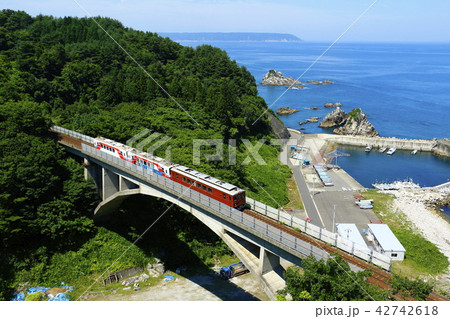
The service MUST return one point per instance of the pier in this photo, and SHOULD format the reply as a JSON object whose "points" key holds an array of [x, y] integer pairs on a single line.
{"points": [[403, 144]]}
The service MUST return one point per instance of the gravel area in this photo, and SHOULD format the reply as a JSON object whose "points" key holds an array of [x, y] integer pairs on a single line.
{"points": [[199, 287], [432, 226]]}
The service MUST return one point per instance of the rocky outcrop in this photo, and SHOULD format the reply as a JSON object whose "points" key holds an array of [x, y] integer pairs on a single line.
{"points": [[314, 119], [335, 118], [319, 82], [278, 127], [285, 111], [333, 105], [276, 78], [356, 124]]}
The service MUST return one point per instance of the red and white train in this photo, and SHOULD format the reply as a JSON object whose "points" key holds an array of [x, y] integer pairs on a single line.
{"points": [[221, 191]]}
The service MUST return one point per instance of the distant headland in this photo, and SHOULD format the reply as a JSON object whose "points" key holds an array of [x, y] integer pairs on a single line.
{"points": [[230, 36]]}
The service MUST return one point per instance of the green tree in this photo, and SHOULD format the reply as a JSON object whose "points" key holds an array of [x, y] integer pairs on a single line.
{"points": [[330, 280]]}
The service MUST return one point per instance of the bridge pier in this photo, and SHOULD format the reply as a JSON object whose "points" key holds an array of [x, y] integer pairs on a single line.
{"points": [[94, 171], [267, 261], [110, 183]]}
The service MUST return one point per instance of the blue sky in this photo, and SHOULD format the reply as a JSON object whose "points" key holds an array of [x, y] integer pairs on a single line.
{"points": [[311, 20]]}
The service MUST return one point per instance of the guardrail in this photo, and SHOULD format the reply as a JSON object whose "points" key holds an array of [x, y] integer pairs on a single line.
{"points": [[238, 216], [217, 208], [322, 234], [74, 134]]}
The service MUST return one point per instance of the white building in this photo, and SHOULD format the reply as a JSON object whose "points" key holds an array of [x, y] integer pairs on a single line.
{"points": [[350, 232], [385, 241]]}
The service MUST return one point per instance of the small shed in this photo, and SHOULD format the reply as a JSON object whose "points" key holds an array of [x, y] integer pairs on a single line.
{"points": [[386, 242], [351, 232]]}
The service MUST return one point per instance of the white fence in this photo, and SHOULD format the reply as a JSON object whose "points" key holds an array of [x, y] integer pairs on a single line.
{"points": [[212, 205], [77, 135], [321, 233], [230, 213]]}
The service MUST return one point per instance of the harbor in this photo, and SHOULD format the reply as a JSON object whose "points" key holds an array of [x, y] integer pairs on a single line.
{"points": [[341, 203]]}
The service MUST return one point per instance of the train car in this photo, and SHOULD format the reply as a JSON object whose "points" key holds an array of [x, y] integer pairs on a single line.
{"points": [[115, 149], [158, 165], [221, 191]]}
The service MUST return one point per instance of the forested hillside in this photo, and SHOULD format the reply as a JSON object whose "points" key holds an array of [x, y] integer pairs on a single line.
{"points": [[68, 72]]}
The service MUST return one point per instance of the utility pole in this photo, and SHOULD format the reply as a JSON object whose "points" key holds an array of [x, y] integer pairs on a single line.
{"points": [[334, 218]]}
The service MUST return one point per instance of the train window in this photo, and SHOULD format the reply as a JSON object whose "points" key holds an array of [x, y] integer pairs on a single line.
{"points": [[204, 187], [184, 179], [199, 185], [229, 197], [209, 190], [189, 181], [224, 196], [176, 175]]}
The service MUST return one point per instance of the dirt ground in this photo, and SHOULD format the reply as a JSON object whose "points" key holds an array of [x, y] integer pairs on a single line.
{"points": [[199, 287]]}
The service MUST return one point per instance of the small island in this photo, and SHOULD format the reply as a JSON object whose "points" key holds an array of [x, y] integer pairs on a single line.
{"points": [[277, 79], [286, 111], [319, 82], [353, 123], [327, 105]]}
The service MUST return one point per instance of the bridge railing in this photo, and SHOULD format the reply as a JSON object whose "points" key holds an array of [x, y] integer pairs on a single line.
{"points": [[296, 244], [62, 130], [322, 234], [210, 204]]}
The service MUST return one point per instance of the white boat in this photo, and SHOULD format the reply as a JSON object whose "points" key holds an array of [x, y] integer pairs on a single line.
{"points": [[368, 148], [391, 151], [414, 152], [382, 149]]}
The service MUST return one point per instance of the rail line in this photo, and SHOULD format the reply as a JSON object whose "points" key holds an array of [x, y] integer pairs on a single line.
{"points": [[379, 277]]}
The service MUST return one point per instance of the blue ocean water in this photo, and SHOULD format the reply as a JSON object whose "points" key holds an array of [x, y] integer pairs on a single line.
{"points": [[403, 88]]}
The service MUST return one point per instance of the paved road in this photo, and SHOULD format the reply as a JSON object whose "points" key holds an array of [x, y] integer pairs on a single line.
{"points": [[319, 203], [308, 202]]}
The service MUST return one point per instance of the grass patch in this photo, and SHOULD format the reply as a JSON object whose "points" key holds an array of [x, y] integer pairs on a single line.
{"points": [[422, 256], [267, 183], [83, 267], [295, 200]]}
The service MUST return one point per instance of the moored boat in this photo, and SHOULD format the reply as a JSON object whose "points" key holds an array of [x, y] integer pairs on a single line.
{"points": [[414, 152], [391, 151], [368, 148], [382, 149]]}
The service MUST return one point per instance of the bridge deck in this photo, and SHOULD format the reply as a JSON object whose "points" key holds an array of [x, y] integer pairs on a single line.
{"points": [[379, 276]]}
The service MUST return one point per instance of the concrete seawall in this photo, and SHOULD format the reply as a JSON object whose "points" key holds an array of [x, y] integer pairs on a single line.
{"points": [[403, 144], [443, 147]]}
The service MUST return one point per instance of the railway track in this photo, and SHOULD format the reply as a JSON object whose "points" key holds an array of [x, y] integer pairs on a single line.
{"points": [[379, 277]]}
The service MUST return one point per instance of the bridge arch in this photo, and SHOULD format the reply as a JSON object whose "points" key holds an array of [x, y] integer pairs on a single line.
{"points": [[262, 263]]}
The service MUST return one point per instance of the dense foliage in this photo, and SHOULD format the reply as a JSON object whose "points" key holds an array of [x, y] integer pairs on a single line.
{"points": [[87, 83], [69, 72], [330, 280], [417, 289], [44, 198]]}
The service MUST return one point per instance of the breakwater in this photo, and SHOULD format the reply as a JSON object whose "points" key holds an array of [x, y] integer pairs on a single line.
{"points": [[439, 147], [443, 147]]}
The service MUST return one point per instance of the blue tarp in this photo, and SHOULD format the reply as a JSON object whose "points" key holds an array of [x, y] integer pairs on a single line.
{"points": [[59, 297], [19, 297], [169, 278]]}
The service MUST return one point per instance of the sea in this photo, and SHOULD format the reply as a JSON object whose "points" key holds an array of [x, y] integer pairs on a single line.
{"points": [[404, 88]]}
